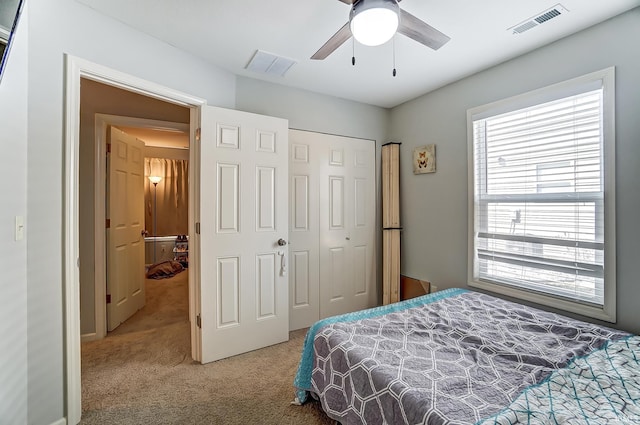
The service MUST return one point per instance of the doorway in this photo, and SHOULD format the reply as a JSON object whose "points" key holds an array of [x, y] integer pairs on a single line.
{"points": [[164, 137], [129, 298], [78, 72]]}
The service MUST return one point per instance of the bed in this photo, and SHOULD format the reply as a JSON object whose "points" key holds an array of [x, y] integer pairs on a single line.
{"points": [[462, 357]]}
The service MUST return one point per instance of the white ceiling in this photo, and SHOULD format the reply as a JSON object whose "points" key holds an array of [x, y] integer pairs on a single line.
{"points": [[227, 34]]}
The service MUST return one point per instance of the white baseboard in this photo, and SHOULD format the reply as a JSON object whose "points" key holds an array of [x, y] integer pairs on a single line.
{"points": [[88, 337], [62, 421]]}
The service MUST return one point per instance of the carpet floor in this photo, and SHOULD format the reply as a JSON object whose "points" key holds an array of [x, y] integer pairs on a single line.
{"points": [[143, 373]]}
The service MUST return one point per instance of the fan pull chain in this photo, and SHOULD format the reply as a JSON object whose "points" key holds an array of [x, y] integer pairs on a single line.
{"points": [[394, 55], [353, 51]]}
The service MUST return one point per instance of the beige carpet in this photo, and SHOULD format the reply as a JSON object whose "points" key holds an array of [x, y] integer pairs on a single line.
{"points": [[142, 373]]}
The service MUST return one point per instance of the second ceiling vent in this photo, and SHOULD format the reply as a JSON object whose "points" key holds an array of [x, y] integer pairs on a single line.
{"points": [[539, 19]]}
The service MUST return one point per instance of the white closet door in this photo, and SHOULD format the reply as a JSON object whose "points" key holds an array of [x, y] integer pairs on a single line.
{"points": [[304, 161], [333, 226], [347, 231]]}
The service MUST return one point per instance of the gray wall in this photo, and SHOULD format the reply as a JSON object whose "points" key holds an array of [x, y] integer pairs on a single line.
{"points": [[434, 206], [13, 254], [311, 111]]}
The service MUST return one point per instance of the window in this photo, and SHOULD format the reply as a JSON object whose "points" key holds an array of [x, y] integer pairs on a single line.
{"points": [[541, 201]]}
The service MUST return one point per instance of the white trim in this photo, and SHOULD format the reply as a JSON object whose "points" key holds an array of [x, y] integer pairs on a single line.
{"points": [[541, 95], [62, 421], [607, 76], [609, 133], [194, 239], [76, 69], [73, 386]]}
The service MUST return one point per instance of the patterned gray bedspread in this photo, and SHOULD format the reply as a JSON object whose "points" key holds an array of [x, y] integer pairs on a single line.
{"points": [[463, 358]]}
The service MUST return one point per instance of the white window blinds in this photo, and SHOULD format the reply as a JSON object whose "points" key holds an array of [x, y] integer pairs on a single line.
{"points": [[539, 198]]}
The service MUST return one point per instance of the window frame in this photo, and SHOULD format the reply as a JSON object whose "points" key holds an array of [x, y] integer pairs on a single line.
{"points": [[606, 80]]}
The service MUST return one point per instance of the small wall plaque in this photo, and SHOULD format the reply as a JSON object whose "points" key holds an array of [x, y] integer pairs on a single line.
{"points": [[424, 159]]}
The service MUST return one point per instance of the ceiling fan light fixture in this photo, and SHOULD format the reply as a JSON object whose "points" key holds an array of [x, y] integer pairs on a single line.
{"points": [[374, 22]]}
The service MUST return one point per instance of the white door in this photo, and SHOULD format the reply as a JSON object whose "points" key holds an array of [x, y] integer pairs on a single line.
{"points": [[125, 235], [347, 226], [243, 214], [332, 227], [304, 228]]}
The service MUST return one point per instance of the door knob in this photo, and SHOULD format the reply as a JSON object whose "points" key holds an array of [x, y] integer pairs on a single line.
{"points": [[281, 242]]}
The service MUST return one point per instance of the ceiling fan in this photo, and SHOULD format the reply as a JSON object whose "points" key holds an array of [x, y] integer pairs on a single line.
{"points": [[374, 22]]}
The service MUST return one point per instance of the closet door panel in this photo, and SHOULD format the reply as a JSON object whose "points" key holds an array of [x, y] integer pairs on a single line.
{"points": [[332, 229], [347, 226], [303, 232]]}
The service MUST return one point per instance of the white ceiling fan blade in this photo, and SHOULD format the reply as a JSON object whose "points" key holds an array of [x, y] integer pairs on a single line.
{"points": [[420, 31], [333, 43]]}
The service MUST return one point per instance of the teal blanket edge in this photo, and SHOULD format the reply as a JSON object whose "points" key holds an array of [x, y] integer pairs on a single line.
{"points": [[302, 381]]}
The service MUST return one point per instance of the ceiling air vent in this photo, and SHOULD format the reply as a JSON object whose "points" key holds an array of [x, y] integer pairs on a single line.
{"points": [[268, 63], [540, 18]]}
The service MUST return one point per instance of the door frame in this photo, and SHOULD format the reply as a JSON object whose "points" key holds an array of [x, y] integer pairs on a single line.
{"points": [[102, 122], [77, 68]]}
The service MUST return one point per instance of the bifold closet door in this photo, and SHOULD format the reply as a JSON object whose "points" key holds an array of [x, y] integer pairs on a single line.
{"points": [[347, 230], [332, 228], [304, 235]]}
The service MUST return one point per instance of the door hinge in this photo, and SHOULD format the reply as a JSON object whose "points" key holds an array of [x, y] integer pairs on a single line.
{"points": [[107, 223], [198, 133], [198, 228], [199, 321], [108, 147], [108, 298]]}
